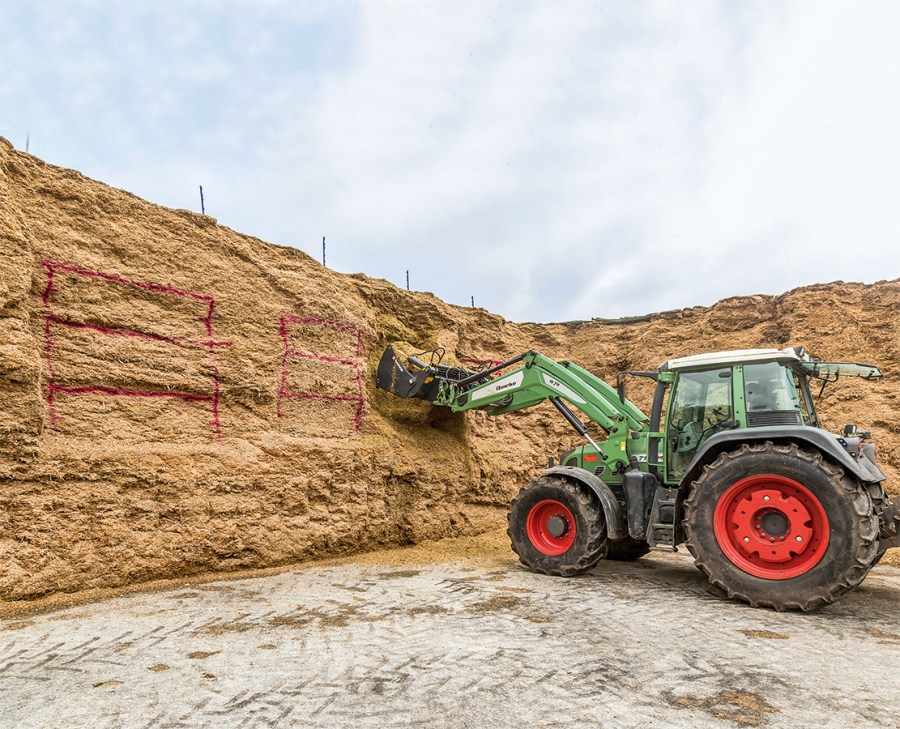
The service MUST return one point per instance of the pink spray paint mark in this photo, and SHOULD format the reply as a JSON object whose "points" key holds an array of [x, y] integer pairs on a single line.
{"points": [[114, 331], [158, 288], [290, 353], [51, 319]]}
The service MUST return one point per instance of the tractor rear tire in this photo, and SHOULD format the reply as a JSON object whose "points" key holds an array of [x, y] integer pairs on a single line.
{"points": [[778, 526], [627, 550], [557, 527], [880, 503]]}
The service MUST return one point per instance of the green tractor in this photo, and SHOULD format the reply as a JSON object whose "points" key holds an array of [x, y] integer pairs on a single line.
{"points": [[732, 461]]}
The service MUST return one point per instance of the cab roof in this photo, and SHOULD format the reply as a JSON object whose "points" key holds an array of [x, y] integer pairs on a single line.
{"points": [[795, 356], [734, 356]]}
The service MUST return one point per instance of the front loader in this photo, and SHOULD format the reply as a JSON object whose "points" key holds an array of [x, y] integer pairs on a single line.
{"points": [[732, 460]]}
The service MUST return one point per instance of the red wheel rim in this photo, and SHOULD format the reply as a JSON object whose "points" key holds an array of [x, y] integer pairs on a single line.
{"points": [[771, 526], [550, 527]]}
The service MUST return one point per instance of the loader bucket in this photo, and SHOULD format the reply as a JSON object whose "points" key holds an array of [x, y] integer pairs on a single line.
{"points": [[394, 377]]}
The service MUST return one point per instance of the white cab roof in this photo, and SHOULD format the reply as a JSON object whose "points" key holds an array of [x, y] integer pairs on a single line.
{"points": [[711, 359]]}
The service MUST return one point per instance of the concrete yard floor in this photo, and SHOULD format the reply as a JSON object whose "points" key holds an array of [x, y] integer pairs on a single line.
{"points": [[468, 642]]}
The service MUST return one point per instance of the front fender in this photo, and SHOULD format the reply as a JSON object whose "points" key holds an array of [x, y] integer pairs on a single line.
{"points": [[616, 528], [820, 440]]}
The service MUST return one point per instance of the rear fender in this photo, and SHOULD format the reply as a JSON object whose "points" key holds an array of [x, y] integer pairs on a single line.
{"points": [[616, 527], [813, 438]]}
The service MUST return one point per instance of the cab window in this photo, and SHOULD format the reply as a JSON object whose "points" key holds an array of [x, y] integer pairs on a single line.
{"points": [[701, 403], [769, 386]]}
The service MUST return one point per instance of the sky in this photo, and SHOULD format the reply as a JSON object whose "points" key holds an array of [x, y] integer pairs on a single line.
{"points": [[553, 160]]}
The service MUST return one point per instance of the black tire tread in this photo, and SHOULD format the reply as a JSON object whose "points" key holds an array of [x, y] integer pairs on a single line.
{"points": [[880, 502]]}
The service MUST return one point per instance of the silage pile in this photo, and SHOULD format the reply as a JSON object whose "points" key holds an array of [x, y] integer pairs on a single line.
{"points": [[180, 398]]}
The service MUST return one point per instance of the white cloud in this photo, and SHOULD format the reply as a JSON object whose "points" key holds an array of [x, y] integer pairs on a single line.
{"points": [[799, 167], [556, 161], [508, 143]]}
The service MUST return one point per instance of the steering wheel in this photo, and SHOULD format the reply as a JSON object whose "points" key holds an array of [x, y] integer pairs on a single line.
{"points": [[712, 428]]}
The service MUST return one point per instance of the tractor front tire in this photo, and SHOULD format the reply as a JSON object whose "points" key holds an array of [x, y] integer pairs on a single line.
{"points": [[778, 526], [627, 550], [557, 527]]}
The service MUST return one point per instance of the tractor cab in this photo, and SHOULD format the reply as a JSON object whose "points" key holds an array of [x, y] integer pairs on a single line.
{"points": [[752, 388]]}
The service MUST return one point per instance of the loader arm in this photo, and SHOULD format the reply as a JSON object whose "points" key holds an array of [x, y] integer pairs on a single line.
{"points": [[539, 378]]}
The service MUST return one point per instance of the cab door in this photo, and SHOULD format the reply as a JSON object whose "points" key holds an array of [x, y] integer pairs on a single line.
{"points": [[700, 404]]}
